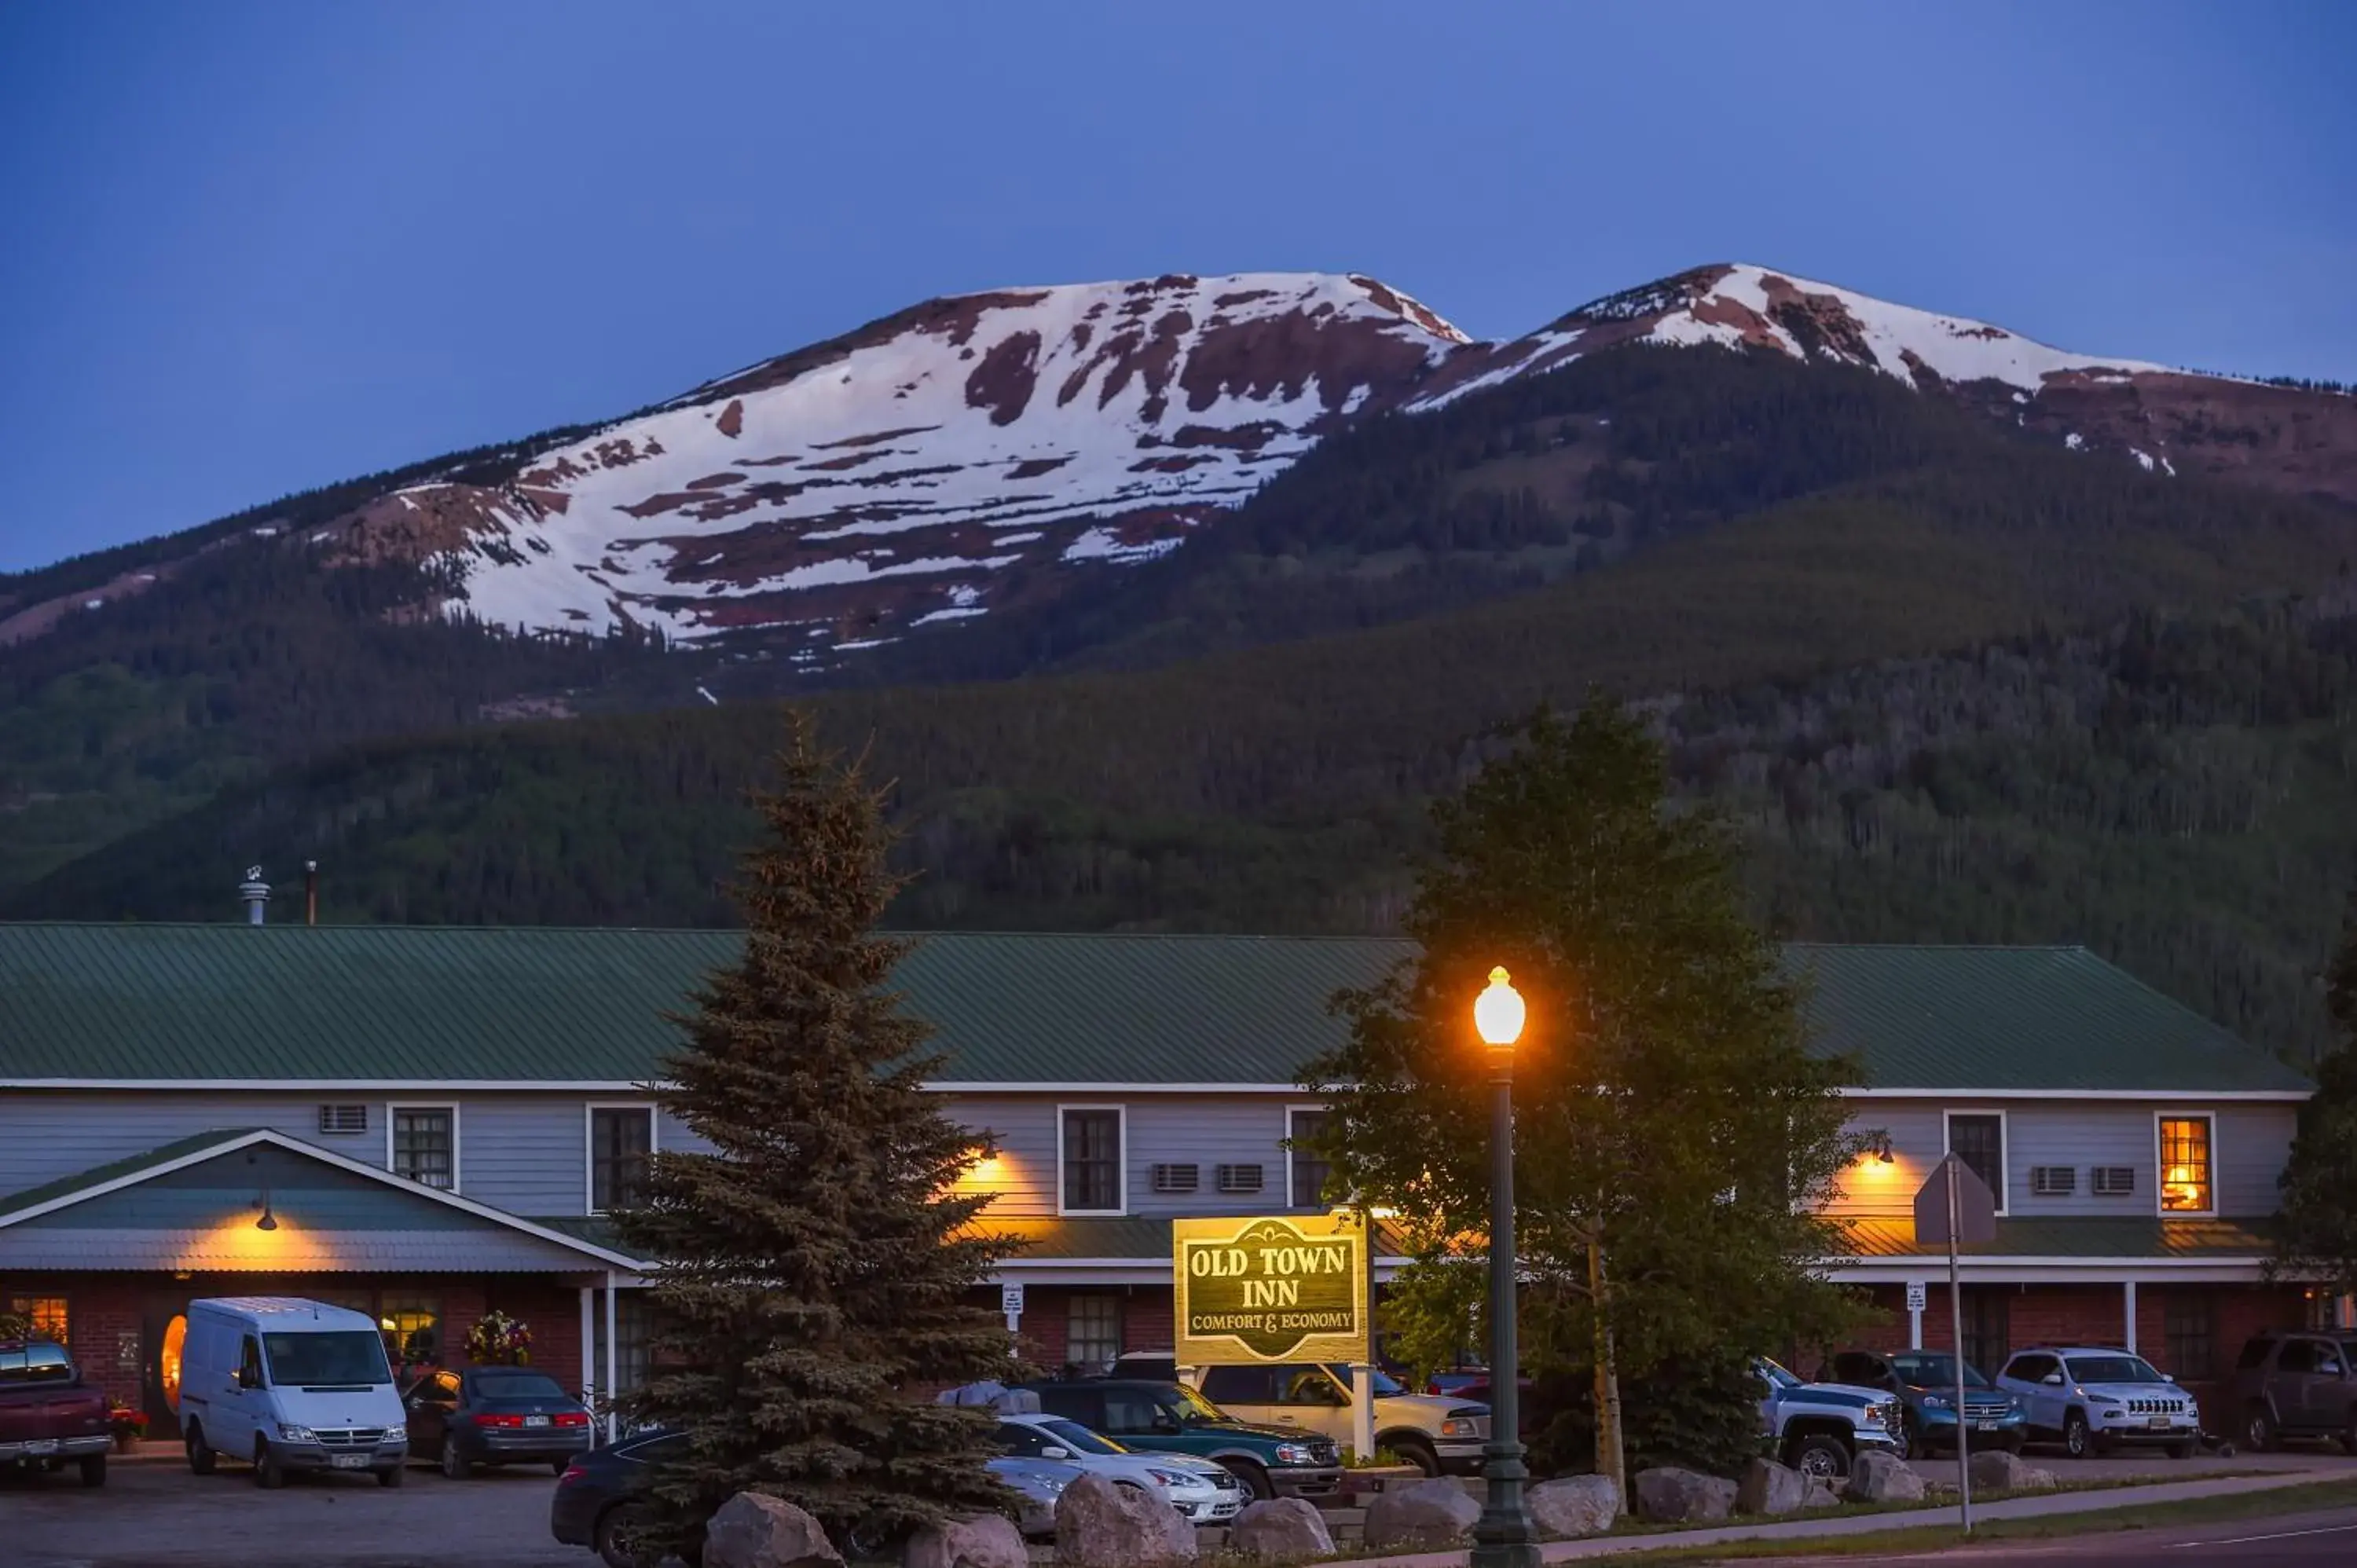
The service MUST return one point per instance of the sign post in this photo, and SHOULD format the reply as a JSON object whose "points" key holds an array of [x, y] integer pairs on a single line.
{"points": [[1276, 1288], [1956, 1207], [1915, 1304], [1010, 1302]]}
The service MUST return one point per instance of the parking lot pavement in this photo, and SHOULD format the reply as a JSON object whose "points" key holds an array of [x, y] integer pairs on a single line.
{"points": [[159, 1516], [2153, 1463]]}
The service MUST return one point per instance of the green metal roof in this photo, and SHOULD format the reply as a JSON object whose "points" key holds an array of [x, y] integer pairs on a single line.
{"points": [[534, 1004], [2126, 1235], [2016, 1017]]}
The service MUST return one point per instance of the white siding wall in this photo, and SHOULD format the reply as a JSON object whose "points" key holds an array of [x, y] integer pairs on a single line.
{"points": [[2250, 1142], [1205, 1131]]}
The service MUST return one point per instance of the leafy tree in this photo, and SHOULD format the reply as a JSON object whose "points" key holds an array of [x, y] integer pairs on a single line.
{"points": [[817, 1264], [1675, 1141], [2317, 1236]]}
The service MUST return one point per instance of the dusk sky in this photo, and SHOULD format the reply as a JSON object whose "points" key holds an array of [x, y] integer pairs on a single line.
{"points": [[255, 248]]}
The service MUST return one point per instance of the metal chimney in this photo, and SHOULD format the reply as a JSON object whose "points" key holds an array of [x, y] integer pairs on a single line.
{"points": [[310, 892], [256, 894]]}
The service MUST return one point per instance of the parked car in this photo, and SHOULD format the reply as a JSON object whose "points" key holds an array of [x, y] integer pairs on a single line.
{"points": [[1171, 1418], [2093, 1399], [1202, 1491], [1820, 1429], [1925, 1383], [495, 1415], [1528, 1415], [291, 1385], [1436, 1434], [1156, 1366], [48, 1417], [2297, 1385], [1456, 1380]]}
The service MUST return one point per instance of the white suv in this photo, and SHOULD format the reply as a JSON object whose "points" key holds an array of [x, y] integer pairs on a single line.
{"points": [[2093, 1400]]}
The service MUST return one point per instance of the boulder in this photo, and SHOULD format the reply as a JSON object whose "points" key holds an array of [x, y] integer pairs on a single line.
{"points": [[1878, 1477], [1768, 1488], [1434, 1513], [986, 1541], [1576, 1505], [1998, 1471], [1285, 1529], [753, 1531], [1670, 1496], [1821, 1494], [1102, 1525]]}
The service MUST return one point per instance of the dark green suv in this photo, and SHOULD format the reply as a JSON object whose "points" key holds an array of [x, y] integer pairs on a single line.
{"points": [[1170, 1418]]}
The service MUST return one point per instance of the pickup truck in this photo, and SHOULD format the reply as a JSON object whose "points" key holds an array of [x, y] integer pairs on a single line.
{"points": [[49, 1416], [1438, 1435], [1821, 1428]]}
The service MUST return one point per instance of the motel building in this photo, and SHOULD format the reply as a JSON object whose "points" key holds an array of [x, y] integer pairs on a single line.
{"points": [[427, 1124]]}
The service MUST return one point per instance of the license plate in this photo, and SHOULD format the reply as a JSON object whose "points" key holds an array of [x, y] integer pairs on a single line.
{"points": [[2157, 1422], [1984, 1426], [535, 1421], [42, 1445], [347, 1461]]}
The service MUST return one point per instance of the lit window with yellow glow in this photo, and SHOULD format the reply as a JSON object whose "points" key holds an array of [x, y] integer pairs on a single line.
{"points": [[47, 1314], [2185, 1177]]}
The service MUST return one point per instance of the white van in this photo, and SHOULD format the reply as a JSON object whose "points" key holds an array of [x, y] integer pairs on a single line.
{"points": [[291, 1385]]}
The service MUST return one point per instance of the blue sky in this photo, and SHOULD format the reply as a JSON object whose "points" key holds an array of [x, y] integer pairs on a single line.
{"points": [[253, 248]]}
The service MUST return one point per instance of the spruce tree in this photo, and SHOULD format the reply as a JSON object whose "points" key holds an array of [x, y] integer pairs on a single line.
{"points": [[819, 1271], [2317, 1235]]}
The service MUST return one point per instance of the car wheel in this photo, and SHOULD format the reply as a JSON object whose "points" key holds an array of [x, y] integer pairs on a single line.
{"points": [[1418, 1453], [268, 1474], [93, 1470], [2015, 1444], [2177, 1450], [1907, 1443], [1254, 1479], [1820, 1455], [616, 1537], [2259, 1435], [454, 1463], [2078, 1437], [201, 1454]]}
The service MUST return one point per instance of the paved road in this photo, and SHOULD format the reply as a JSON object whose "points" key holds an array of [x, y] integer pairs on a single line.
{"points": [[153, 1515], [2316, 1539]]}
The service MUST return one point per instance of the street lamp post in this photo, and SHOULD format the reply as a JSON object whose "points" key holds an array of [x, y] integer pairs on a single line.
{"points": [[1504, 1537]]}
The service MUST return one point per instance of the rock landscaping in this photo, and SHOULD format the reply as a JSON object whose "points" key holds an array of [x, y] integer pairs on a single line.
{"points": [[1575, 1505]]}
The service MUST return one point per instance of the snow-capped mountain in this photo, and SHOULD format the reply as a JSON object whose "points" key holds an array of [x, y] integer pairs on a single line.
{"points": [[894, 477]]}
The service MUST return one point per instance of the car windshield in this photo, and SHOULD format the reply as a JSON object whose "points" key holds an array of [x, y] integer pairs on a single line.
{"points": [[1936, 1372], [1188, 1405], [355, 1355], [1778, 1377], [504, 1384], [1385, 1385], [1076, 1437], [2111, 1370]]}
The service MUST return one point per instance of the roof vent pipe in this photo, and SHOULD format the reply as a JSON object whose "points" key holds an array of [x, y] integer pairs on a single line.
{"points": [[256, 894], [310, 892]]}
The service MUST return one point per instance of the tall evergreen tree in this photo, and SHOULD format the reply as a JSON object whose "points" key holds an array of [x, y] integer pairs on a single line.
{"points": [[819, 1270], [1676, 1142], [2317, 1235]]}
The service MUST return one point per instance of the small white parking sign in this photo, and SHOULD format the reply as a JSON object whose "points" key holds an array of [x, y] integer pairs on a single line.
{"points": [[1914, 1296], [1010, 1300]]}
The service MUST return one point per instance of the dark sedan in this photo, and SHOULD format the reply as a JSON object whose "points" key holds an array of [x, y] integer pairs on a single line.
{"points": [[597, 1502], [495, 1415]]}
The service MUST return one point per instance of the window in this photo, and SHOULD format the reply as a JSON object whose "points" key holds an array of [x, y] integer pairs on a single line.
{"points": [[1240, 1385], [2187, 1326], [343, 1118], [1977, 1138], [47, 1314], [1239, 1179], [2297, 1355], [1090, 1138], [621, 1137], [1986, 1330], [2185, 1178], [411, 1326], [422, 1143], [2033, 1369], [2112, 1181], [1093, 1331], [1307, 1171]]}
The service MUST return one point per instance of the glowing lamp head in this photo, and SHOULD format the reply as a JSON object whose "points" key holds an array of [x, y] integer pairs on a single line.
{"points": [[1498, 1012]]}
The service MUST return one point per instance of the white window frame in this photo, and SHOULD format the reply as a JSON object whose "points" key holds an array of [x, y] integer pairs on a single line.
{"points": [[2004, 1147], [1292, 1198], [589, 1142], [2160, 1171], [1121, 1160], [458, 1136]]}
